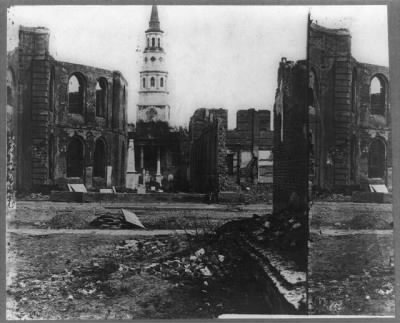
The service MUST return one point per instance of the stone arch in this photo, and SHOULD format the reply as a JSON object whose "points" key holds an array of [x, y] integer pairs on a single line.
{"points": [[101, 97], [100, 158], [76, 93], [378, 94], [377, 158], [75, 157]]}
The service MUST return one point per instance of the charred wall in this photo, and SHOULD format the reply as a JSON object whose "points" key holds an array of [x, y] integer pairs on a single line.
{"points": [[290, 151], [46, 123], [346, 117]]}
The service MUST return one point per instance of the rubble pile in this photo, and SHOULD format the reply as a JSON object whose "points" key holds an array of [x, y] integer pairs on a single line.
{"points": [[200, 265], [120, 220]]}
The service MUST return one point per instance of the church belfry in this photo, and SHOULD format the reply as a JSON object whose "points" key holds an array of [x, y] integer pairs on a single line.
{"points": [[153, 94]]}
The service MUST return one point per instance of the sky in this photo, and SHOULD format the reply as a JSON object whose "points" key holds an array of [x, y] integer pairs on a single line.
{"points": [[216, 56]]}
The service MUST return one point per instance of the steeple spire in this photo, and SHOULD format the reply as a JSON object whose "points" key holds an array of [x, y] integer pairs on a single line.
{"points": [[154, 24]]}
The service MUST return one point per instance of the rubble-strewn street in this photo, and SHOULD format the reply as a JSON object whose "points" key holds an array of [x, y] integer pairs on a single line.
{"points": [[88, 275], [351, 265]]}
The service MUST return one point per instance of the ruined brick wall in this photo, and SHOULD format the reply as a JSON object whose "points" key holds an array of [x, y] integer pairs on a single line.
{"points": [[370, 126], [290, 152], [201, 119], [208, 169], [342, 124], [46, 126]]}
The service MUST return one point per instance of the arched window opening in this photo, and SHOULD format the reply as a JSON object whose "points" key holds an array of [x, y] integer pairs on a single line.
{"points": [[377, 94], [75, 158], [75, 94], [148, 42], [51, 90], [101, 97], [376, 159], [152, 82], [153, 42], [144, 83], [99, 159], [354, 91], [162, 82], [159, 43]]}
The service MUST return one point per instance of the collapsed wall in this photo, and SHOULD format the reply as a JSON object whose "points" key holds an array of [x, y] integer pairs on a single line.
{"points": [[290, 152]]}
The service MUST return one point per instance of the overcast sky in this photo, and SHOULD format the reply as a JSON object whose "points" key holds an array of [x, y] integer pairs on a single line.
{"points": [[217, 56]]}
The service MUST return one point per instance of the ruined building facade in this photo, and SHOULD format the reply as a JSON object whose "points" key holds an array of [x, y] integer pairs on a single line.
{"points": [[222, 159], [69, 119], [350, 115]]}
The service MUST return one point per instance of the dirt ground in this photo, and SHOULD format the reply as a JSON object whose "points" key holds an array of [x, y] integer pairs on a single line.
{"points": [[83, 275], [351, 265]]}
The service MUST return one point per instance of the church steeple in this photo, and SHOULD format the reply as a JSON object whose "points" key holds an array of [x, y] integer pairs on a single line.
{"points": [[153, 93], [154, 24]]}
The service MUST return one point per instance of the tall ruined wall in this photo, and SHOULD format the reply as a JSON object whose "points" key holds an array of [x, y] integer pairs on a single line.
{"points": [[208, 169], [46, 125], [290, 152], [343, 123]]}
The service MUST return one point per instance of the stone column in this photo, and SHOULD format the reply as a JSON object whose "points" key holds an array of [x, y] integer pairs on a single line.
{"points": [[158, 175], [131, 174], [141, 157]]}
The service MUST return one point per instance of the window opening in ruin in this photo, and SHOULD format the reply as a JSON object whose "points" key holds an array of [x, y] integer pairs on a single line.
{"points": [[152, 82], [101, 97], [377, 96], [75, 94], [51, 90], [162, 82], [99, 159], [376, 159], [75, 158]]}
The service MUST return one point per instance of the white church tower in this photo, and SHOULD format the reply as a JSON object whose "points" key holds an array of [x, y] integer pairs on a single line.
{"points": [[153, 93]]}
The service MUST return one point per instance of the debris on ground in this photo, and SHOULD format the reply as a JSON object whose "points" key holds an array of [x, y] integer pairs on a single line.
{"points": [[120, 220]]}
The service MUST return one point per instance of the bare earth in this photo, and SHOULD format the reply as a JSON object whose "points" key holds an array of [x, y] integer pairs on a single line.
{"points": [[351, 265], [78, 272]]}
